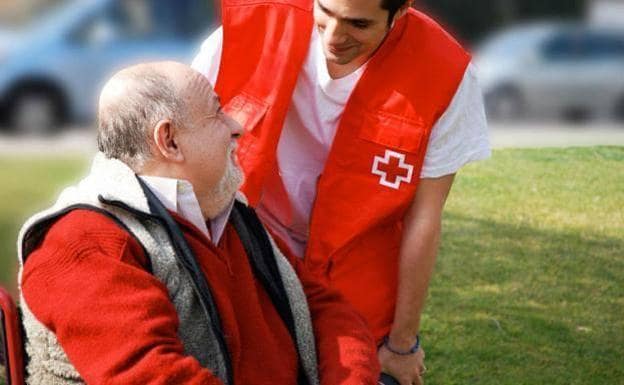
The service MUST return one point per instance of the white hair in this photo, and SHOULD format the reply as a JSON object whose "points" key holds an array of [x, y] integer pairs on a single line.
{"points": [[131, 105]]}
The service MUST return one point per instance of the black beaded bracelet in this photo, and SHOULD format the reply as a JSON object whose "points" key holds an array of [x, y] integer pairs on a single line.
{"points": [[412, 350]]}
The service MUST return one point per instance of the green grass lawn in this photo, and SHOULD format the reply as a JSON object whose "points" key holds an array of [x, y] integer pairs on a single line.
{"points": [[29, 184], [529, 285]]}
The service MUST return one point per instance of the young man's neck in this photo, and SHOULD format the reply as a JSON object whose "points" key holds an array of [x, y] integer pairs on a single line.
{"points": [[337, 71]]}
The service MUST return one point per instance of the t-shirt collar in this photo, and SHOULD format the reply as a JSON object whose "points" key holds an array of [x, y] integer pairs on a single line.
{"points": [[340, 89]]}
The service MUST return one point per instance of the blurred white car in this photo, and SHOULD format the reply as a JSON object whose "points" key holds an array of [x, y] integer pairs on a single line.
{"points": [[51, 72], [553, 70]]}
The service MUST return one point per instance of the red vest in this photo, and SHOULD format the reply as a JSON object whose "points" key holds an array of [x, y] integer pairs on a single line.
{"points": [[373, 167]]}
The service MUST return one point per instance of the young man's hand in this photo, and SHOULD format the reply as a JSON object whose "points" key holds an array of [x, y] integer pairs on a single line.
{"points": [[408, 369]]}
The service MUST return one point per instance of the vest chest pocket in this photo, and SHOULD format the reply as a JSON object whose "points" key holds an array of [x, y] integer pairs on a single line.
{"points": [[394, 146], [393, 131]]}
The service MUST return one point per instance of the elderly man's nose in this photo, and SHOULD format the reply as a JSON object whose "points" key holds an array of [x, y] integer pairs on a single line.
{"points": [[235, 128]]}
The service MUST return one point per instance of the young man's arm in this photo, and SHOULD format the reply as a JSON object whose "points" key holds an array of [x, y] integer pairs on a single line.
{"points": [[421, 235], [459, 137]]}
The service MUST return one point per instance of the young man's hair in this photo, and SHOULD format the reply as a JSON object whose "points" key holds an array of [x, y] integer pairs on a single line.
{"points": [[393, 6]]}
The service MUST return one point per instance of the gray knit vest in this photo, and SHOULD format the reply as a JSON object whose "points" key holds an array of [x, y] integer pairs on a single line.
{"points": [[112, 180]]}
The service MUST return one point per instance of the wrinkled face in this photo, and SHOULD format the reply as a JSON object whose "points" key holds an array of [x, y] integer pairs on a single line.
{"points": [[351, 30], [209, 150]]}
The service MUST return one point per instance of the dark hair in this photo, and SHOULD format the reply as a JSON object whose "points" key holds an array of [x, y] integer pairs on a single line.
{"points": [[392, 6]]}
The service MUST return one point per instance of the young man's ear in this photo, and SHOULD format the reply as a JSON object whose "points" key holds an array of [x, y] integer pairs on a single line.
{"points": [[166, 141]]}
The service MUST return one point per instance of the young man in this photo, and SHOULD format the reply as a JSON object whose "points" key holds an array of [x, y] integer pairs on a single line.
{"points": [[359, 114], [150, 272]]}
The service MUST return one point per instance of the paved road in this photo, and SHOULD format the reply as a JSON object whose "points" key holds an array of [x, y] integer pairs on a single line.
{"points": [[81, 141], [556, 135], [73, 141]]}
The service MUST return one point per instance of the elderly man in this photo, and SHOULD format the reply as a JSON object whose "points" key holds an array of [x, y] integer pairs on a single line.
{"points": [[151, 272]]}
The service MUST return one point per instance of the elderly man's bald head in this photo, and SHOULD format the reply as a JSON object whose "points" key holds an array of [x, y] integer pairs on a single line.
{"points": [[135, 99]]}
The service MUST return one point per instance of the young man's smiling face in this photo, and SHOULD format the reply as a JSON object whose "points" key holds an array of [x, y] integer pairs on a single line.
{"points": [[351, 31]]}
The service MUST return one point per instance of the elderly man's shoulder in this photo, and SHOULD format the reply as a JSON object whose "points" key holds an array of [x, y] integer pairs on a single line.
{"points": [[83, 235]]}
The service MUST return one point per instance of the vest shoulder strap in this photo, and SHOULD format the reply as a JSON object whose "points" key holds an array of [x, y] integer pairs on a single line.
{"points": [[186, 258], [263, 262], [262, 259]]}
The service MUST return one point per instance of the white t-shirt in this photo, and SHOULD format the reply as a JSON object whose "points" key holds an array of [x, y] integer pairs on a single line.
{"points": [[460, 136]]}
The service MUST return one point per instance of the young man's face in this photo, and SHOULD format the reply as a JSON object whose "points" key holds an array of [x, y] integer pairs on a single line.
{"points": [[351, 30]]}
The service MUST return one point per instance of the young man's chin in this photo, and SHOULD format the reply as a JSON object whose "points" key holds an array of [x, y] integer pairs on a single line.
{"points": [[337, 58]]}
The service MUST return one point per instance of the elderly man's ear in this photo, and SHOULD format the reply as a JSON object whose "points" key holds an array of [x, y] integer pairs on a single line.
{"points": [[166, 141]]}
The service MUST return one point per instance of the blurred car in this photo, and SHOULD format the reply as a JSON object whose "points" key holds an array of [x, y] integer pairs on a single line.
{"points": [[50, 72], [554, 70]]}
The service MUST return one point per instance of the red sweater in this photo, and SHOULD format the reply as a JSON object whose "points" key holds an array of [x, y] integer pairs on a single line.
{"points": [[88, 284]]}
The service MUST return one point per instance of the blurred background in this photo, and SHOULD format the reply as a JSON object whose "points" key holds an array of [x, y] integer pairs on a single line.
{"points": [[556, 60], [55, 55], [541, 299]]}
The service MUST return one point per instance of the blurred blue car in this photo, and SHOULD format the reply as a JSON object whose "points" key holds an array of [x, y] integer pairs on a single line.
{"points": [[556, 70], [51, 72]]}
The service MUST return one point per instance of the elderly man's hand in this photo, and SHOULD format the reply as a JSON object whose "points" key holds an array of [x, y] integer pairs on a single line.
{"points": [[408, 369]]}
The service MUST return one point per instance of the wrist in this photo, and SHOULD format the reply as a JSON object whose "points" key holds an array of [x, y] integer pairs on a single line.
{"points": [[402, 340], [402, 350]]}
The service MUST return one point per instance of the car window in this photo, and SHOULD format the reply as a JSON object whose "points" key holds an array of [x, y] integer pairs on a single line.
{"points": [[120, 20], [147, 19], [562, 46], [133, 19], [583, 46], [602, 45], [185, 18]]}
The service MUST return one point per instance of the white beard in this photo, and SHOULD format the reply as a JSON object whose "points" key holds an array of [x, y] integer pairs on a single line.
{"points": [[222, 194]]}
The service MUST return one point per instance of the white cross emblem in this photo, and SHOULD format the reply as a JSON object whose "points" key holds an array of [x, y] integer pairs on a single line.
{"points": [[390, 177]]}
